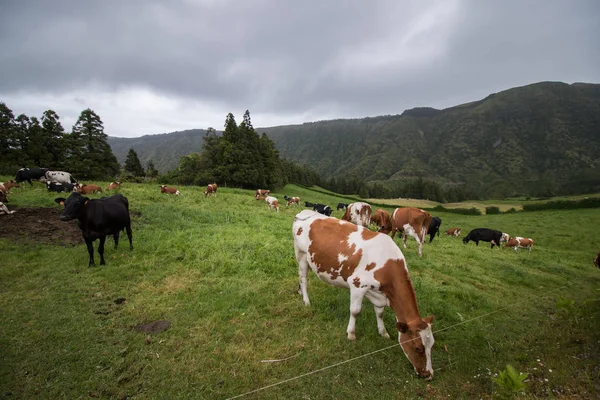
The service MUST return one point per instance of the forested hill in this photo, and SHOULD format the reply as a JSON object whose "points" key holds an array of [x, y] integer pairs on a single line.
{"points": [[530, 140], [164, 150]]}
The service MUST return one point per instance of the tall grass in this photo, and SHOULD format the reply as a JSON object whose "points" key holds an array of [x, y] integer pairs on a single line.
{"points": [[222, 271]]}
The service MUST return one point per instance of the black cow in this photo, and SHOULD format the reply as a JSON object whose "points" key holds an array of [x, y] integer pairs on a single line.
{"points": [[27, 174], [308, 204], [322, 209], [98, 218], [485, 235], [434, 227], [342, 206], [59, 187]]}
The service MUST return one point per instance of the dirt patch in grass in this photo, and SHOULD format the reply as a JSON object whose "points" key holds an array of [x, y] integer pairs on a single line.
{"points": [[39, 225]]}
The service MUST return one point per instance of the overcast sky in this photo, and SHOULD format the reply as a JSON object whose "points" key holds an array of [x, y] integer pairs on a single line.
{"points": [[150, 67]]}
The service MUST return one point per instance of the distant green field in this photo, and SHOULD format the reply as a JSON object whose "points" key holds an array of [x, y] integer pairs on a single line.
{"points": [[222, 271]]}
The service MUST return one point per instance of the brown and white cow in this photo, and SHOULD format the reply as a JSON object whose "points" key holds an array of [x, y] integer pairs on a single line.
{"points": [[358, 213], [519, 242], [211, 189], [4, 209], [293, 200], [6, 186], [272, 203], [87, 189], [413, 222], [382, 219], [369, 264], [261, 193], [169, 190], [113, 185], [3, 196], [453, 232]]}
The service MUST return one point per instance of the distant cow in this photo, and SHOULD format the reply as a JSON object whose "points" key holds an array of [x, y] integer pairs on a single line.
{"points": [[88, 189], [453, 232], [293, 200], [322, 209], [382, 219], [6, 186], [504, 238], [27, 174], [519, 242], [113, 185], [211, 189], [434, 227], [413, 222], [4, 209], [358, 213], [169, 190], [370, 265], [597, 260], [60, 177], [484, 235], [309, 204], [272, 203], [261, 193], [60, 187], [342, 206], [98, 218]]}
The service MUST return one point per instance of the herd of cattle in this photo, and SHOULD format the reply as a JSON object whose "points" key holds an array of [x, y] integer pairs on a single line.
{"points": [[342, 252]]}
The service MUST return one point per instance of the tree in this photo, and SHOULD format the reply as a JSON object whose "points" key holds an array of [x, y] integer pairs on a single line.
{"points": [[133, 164], [7, 132], [53, 137], [151, 171]]}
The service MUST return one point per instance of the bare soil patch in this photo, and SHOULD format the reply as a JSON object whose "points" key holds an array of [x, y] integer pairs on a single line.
{"points": [[39, 225]]}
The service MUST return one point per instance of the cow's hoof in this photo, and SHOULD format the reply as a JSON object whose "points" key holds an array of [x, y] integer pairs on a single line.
{"points": [[352, 337]]}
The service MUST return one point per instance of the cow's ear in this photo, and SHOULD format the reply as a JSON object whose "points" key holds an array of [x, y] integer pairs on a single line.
{"points": [[429, 319], [402, 327], [60, 201]]}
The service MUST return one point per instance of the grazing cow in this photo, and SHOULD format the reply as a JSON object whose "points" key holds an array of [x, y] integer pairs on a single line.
{"points": [[504, 238], [211, 189], [262, 193], [98, 218], [113, 185], [6, 186], [382, 219], [597, 260], [60, 177], [484, 235], [87, 189], [322, 209], [293, 200], [342, 206], [60, 187], [411, 221], [272, 203], [434, 227], [358, 213], [453, 232], [519, 242], [4, 209], [27, 174], [169, 190], [369, 264]]}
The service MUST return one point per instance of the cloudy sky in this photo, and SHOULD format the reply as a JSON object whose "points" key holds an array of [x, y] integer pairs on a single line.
{"points": [[150, 67]]}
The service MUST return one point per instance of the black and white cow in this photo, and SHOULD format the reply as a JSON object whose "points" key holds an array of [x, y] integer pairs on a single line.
{"points": [[59, 187], [322, 209], [309, 204], [27, 174], [484, 235], [342, 206], [434, 227], [60, 177], [98, 218]]}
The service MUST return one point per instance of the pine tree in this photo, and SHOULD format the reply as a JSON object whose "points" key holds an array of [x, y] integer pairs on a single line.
{"points": [[133, 165], [53, 137], [151, 171], [36, 150], [7, 132]]}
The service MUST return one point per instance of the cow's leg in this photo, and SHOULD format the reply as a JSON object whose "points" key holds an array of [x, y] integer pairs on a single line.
{"points": [[90, 247], [101, 249], [379, 305], [116, 239], [477, 243], [356, 298], [129, 235], [302, 276]]}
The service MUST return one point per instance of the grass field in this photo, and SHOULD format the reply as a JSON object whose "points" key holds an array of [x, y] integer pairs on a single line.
{"points": [[222, 271]]}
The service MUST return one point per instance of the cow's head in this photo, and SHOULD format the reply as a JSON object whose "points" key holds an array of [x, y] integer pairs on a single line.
{"points": [[466, 240], [416, 340], [505, 237], [72, 205]]}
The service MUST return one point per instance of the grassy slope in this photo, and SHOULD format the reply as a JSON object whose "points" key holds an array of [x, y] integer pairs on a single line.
{"points": [[222, 271]]}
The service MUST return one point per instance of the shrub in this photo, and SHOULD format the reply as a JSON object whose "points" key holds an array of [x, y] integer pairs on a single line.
{"points": [[492, 210], [509, 382]]}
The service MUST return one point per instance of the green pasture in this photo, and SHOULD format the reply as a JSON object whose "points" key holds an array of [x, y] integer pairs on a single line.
{"points": [[222, 271]]}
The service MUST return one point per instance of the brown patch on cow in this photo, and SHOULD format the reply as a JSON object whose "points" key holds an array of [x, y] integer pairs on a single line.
{"points": [[367, 234], [299, 232], [370, 266], [346, 216], [399, 289], [326, 246], [356, 281]]}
